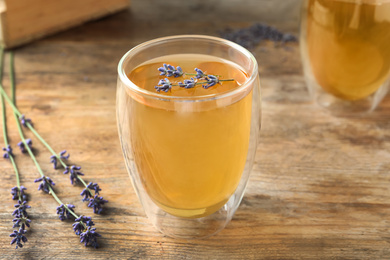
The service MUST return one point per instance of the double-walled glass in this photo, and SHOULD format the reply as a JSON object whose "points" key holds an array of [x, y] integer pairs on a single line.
{"points": [[189, 158], [345, 47]]}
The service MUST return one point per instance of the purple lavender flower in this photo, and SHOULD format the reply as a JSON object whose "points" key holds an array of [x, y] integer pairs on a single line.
{"points": [[90, 237], [74, 172], [21, 208], [8, 152], [169, 71], [87, 191], [211, 81], [165, 85], [21, 221], [96, 203], [63, 212], [81, 223], [24, 121], [46, 184], [53, 158], [188, 83], [15, 192], [23, 147], [18, 237], [199, 74]]}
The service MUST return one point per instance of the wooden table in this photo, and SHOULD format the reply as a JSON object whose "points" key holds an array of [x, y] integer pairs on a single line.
{"points": [[319, 188]]}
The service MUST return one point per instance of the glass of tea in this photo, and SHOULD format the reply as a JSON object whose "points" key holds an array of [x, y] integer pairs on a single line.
{"points": [[345, 48], [189, 113]]}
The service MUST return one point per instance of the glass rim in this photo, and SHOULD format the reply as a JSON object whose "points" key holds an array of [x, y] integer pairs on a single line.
{"points": [[156, 95]]}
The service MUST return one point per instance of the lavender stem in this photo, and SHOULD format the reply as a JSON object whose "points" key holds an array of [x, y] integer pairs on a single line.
{"points": [[17, 113], [24, 140], [5, 134]]}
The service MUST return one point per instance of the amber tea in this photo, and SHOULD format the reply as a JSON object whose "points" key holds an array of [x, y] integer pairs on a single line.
{"points": [[347, 45], [190, 162]]}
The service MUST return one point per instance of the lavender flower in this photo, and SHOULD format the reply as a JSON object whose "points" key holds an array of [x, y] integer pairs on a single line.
{"points": [[16, 192], [63, 212], [21, 208], [188, 83], [165, 85], [96, 203], [87, 191], [8, 152], [45, 184], [18, 237], [169, 71], [24, 121], [53, 158], [90, 237], [74, 172], [199, 73], [249, 37], [81, 224], [21, 221], [22, 146], [211, 81]]}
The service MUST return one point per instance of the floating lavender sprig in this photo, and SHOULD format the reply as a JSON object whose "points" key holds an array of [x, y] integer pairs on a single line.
{"points": [[54, 158], [88, 236], [20, 213], [168, 70], [163, 85]]}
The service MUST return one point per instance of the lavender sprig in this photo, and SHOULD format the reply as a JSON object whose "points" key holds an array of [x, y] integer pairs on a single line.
{"points": [[96, 203], [8, 152], [188, 83], [87, 191], [20, 213], [18, 193], [211, 81], [22, 145], [21, 208], [18, 237], [74, 173], [64, 211], [89, 237], [62, 156], [55, 158], [163, 85], [167, 70], [199, 73], [25, 121], [46, 184]]}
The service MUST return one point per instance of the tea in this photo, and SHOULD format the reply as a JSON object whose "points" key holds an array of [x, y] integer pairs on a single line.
{"points": [[190, 162], [348, 45]]}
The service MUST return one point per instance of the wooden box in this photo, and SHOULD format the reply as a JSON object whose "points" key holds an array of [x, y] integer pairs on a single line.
{"points": [[22, 21]]}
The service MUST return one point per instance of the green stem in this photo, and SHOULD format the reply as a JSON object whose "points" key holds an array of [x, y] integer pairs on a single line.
{"points": [[16, 111], [5, 134], [24, 140]]}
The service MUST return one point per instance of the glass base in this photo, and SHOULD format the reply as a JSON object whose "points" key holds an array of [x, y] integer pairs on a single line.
{"points": [[192, 228], [340, 107]]}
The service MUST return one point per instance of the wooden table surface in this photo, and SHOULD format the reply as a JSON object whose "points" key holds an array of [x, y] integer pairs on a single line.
{"points": [[319, 188]]}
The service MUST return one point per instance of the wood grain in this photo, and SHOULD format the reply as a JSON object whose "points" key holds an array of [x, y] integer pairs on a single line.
{"points": [[319, 188]]}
